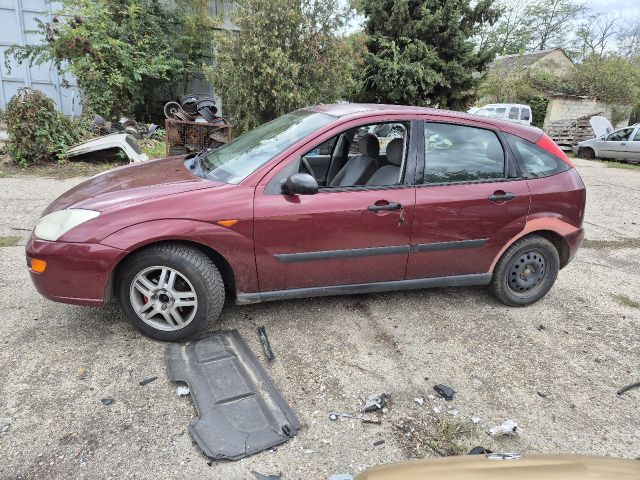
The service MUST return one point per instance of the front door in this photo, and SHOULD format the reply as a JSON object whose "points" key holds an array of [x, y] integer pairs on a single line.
{"points": [[615, 145], [347, 234], [470, 203]]}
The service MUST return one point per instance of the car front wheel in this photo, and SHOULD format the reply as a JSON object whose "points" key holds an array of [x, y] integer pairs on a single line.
{"points": [[526, 271], [169, 291]]}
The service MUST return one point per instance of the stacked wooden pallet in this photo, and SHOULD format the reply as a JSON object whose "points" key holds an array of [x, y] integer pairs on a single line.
{"points": [[567, 133]]}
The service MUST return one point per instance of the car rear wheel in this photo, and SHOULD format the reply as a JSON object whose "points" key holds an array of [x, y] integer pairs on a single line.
{"points": [[586, 153], [526, 271], [169, 291]]}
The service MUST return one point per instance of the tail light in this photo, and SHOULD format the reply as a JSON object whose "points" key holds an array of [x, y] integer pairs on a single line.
{"points": [[550, 146]]}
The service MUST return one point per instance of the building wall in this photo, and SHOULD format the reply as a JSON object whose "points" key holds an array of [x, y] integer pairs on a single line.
{"points": [[567, 108], [17, 20]]}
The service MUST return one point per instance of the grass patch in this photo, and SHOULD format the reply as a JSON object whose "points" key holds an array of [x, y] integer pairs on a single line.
{"points": [[9, 241], [626, 301], [154, 148], [626, 166], [443, 437]]}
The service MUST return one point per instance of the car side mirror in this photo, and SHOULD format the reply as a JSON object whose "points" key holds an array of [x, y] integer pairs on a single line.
{"points": [[300, 184]]}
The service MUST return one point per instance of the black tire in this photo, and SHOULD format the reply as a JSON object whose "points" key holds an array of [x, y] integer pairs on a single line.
{"points": [[587, 153], [192, 266], [538, 260]]}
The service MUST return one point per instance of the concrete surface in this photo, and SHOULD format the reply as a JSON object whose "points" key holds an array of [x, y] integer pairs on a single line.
{"points": [[58, 361]]}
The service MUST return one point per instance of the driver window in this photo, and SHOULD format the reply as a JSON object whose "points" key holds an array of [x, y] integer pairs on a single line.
{"points": [[621, 135], [370, 155]]}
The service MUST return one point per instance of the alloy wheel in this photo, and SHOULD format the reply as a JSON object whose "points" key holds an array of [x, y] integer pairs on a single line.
{"points": [[163, 298]]}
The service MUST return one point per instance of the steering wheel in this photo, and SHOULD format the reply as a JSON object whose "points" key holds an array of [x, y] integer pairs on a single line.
{"points": [[307, 167]]}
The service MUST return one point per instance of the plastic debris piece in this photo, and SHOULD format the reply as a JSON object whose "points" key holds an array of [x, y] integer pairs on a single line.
{"points": [[542, 394], [479, 451], [453, 412], [147, 381], [182, 390], [375, 402], [508, 428], [626, 388], [333, 416], [379, 442], [475, 420], [341, 476], [437, 409], [444, 391], [419, 401], [260, 476], [107, 401], [307, 451], [266, 345]]}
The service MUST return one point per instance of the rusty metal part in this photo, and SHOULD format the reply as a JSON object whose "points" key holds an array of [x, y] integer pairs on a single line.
{"points": [[170, 109]]}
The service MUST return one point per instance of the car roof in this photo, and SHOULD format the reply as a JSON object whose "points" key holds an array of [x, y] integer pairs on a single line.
{"points": [[363, 110]]}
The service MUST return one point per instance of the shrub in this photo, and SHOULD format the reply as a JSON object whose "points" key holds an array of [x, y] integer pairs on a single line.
{"points": [[37, 132]]}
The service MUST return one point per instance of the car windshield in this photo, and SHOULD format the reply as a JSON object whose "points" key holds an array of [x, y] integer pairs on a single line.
{"points": [[235, 161]]}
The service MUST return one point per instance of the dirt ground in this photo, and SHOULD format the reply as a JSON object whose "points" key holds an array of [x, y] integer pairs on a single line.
{"points": [[554, 367]]}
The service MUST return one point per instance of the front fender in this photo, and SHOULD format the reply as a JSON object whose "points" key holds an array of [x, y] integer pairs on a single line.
{"points": [[234, 244]]}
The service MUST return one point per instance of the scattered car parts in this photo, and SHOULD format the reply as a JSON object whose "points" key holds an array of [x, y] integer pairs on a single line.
{"points": [[122, 141], [626, 388], [333, 416], [444, 391], [266, 345], [375, 402], [240, 411], [507, 429]]}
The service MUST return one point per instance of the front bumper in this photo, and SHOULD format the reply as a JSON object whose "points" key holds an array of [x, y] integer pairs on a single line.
{"points": [[77, 273]]}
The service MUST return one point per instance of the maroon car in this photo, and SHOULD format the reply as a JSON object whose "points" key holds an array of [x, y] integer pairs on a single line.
{"points": [[327, 200]]}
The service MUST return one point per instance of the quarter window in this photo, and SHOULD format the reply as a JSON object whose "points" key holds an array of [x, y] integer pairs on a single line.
{"points": [[537, 160], [456, 153], [637, 137]]}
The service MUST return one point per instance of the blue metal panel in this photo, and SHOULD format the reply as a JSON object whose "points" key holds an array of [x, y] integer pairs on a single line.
{"points": [[17, 22]]}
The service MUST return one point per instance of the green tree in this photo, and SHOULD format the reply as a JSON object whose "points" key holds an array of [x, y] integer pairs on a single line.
{"points": [[286, 54], [550, 22], [124, 53], [421, 52]]}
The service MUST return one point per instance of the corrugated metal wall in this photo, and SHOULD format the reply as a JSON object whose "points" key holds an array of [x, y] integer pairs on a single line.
{"points": [[17, 17]]}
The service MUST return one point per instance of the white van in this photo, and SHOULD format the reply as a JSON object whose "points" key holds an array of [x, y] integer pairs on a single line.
{"points": [[511, 112]]}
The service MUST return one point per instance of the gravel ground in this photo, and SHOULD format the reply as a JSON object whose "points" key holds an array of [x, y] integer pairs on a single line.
{"points": [[553, 367]]}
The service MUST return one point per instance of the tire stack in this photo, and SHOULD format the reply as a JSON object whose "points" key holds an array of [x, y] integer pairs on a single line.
{"points": [[193, 125]]}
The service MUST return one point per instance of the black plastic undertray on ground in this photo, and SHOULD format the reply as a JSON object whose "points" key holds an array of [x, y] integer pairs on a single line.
{"points": [[240, 411]]}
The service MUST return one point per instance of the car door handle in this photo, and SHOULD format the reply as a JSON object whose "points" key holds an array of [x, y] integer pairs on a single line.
{"points": [[502, 196], [393, 206]]}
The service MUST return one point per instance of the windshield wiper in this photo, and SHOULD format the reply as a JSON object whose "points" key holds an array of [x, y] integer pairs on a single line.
{"points": [[196, 162]]}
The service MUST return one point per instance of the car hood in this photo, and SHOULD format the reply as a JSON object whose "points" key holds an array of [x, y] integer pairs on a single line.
{"points": [[130, 184]]}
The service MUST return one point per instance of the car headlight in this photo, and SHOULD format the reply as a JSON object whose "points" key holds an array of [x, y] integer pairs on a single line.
{"points": [[53, 226]]}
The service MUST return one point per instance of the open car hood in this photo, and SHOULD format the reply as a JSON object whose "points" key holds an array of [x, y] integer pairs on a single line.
{"points": [[601, 126]]}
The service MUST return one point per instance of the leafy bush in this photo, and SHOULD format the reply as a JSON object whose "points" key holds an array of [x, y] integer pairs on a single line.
{"points": [[286, 55], [37, 132], [124, 53]]}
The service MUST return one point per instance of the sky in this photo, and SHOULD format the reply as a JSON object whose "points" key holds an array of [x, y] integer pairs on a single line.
{"points": [[629, 10]]}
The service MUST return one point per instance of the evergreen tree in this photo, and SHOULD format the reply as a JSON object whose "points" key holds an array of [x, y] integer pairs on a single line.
{"points": [[422, 52]]}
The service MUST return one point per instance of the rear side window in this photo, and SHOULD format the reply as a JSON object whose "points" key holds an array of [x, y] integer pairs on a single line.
{"points": [[457, 153], [537, 160], [524, 114], [513, 113]]}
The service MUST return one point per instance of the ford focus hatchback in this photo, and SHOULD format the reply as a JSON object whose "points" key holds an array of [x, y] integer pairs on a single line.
{"points": [[327, 200]]}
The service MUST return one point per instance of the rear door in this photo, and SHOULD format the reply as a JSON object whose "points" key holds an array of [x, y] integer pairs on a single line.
{"points": [[470, 201], [633, 147]]}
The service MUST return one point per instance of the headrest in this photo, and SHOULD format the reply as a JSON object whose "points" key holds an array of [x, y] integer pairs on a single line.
{"points": [[369, 146], [394, 151]]}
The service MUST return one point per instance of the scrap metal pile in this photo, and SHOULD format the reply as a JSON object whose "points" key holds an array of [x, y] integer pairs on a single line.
{"points": [[125, 125], [193, 125]]}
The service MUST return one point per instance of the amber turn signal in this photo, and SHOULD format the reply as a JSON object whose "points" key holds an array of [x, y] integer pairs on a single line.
{"points": [[37, 265], [227, 223]]}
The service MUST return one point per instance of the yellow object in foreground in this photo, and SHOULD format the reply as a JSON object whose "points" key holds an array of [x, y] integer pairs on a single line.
{"points": [[500, 467]]}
